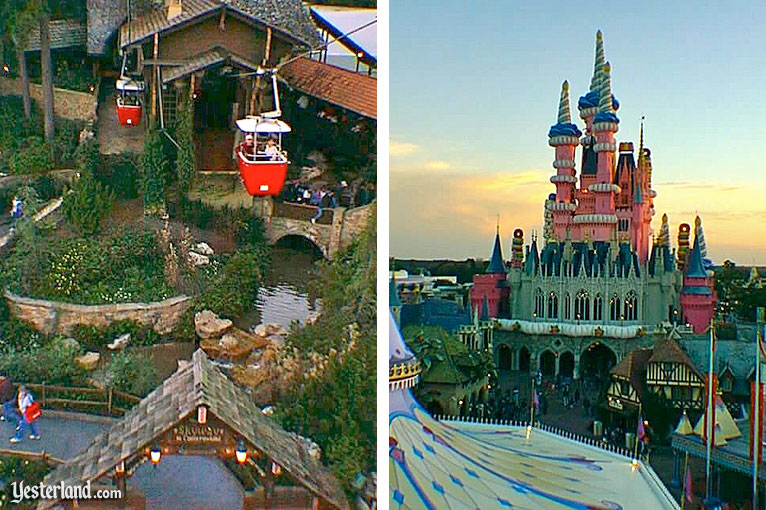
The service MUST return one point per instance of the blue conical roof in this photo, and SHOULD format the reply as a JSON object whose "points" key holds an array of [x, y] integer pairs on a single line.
{"points": [[694, 266], [484, 309], [496, 265]]}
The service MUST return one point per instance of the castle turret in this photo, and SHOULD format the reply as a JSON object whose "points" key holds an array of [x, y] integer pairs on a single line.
{"points": [[492, 285], [564, 136], [697, 295]]}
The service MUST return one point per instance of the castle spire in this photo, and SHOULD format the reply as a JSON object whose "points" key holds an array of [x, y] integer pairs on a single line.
{"points": [[700, 234], [641, 143], [664, 238], [605, 104], [694, 267], [595, 81], [496, 265], [565, 117]]}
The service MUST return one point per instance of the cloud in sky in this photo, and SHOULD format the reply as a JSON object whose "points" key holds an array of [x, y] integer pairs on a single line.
{"points": [[436, 165], [454, 216], [401, 148]]}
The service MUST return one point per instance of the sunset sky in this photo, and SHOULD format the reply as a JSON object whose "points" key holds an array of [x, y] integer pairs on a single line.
{"points": [[475, 87]]}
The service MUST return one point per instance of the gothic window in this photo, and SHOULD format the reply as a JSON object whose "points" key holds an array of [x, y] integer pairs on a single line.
{"points": [[631, 306], [615, 308], [598, 308], [582, 306], [567, 306], [553, 306], [539, 304], [623, 225]]}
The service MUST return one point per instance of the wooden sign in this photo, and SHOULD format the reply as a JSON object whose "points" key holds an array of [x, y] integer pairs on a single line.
{"points": [[198, 434]]}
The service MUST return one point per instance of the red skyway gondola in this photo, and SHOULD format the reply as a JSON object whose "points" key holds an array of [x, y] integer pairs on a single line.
{"points": [[129, 101], [263, 165]]}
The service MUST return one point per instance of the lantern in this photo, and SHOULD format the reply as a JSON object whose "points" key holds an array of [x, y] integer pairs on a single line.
{"points": [[155, 455], [120, 468], [276, 469], [202, 415], [241, 453]]}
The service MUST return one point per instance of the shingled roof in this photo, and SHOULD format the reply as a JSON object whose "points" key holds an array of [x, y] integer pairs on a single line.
{"points": [[198, 383], [353, 91], [670, 352], [288, 17], [65, 33], [205, 59]]}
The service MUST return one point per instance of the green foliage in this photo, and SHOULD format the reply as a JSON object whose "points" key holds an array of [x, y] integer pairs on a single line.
{"points": [[230, 290], [154, 169], [121, 175], [65, 142], [186, 163], [86, 206], [87, 157], [734, 297], [99, 337], [126, 266], [132, 373], [33, 158], [50, 363], [661, 414], [17, 469], [248, 230], [337, 408]]}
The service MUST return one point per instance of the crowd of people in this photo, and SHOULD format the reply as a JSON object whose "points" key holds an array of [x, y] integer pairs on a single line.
{"points": [[324, 196]]}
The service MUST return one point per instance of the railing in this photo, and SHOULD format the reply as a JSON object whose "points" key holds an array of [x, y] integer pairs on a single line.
{"points": [[591, 441], [302, 212], [108, 401], [34, 456]]}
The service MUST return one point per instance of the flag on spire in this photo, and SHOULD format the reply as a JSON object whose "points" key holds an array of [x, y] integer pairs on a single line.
{"points": [[688, 492], [565, 117]]}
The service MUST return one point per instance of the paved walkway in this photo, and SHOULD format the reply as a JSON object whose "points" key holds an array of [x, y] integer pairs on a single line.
{"points": [[112, 137], [177, 483]]}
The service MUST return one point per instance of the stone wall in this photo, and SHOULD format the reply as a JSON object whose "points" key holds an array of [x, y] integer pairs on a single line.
{"points": [[68, 104], [51, 317]]}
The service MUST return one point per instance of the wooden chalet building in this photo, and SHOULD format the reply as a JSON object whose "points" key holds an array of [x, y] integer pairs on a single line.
{"points": [[210, 49], [672, 373], [664, 370]]}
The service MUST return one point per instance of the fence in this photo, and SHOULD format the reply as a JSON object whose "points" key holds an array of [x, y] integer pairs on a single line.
{"points": [[591, 441], [34, 456], [108, 401]]}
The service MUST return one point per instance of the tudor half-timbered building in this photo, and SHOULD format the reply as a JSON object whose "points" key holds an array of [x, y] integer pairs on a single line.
{"points": [[670, 372], [627, 385]]}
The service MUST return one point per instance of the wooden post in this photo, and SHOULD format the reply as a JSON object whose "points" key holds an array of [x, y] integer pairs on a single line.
{"points": [[192, 84], [43, 394], [155, 53], [256, 101], [109, 401]]}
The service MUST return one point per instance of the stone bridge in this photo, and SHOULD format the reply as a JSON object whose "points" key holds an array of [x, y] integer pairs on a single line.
{"points": [[334, 231]]}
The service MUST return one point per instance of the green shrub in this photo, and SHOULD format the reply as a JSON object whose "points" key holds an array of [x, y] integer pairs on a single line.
{"points": [[34, 158], [186, 162], [232, 290], [86, 206], [154, 169], [132, 373], [50, 363], [65, 142], [18, 469], [120, 173], [87, 157], [94, 337]]}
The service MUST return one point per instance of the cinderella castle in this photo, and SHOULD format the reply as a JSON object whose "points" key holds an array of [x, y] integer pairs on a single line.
{"points": [[600, 282]]}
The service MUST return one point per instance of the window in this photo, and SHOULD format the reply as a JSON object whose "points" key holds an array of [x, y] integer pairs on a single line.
{"points": [[553, 306], [623, 225], [631, 306], [681, 393], [598, 308], [567, 306], [614, 308], [539, 304], [582, 306], [625, 387]]}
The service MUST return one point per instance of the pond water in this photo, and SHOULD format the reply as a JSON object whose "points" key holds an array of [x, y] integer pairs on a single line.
{"points": [[285, 296]]}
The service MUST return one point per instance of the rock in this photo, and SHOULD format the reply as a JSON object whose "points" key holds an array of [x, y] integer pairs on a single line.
{"points": [[309, 173], [209, 325], [198, 260], [268, 410], [277, 340], [275, 329], [260, 330], [119, 342], [233, 345], [89, 361], [95, 383], [229, 342], [312, 318], [70, 343], [204, 249]]}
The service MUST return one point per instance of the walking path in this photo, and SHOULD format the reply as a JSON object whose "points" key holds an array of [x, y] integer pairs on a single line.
{"points": [[177, 483]]}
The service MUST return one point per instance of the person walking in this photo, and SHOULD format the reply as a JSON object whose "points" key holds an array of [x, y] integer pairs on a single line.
{"points": [[7, 398], [26, 400]]}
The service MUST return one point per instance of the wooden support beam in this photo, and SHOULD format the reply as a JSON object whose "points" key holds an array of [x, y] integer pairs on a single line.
{"points": [[258, 89], [155, 53]]}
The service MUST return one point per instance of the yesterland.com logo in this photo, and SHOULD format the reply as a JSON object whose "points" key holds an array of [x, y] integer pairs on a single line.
{"points": [[26, 492]]}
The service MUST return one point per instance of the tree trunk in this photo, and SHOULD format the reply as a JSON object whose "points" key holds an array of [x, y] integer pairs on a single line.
{"points": [[47, 76], [24, 75]]}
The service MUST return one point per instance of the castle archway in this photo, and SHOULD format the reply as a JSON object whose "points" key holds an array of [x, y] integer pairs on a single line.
{"points": [[504, 358], [597, 360], [566, 364], [548, 363], [524, 359], [301, 243]]}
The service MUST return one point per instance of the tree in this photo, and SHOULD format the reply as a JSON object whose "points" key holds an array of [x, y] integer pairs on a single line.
{"points": [[86, 206], [47, 73], [16, 21], [186, 164], [154, 168]]}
